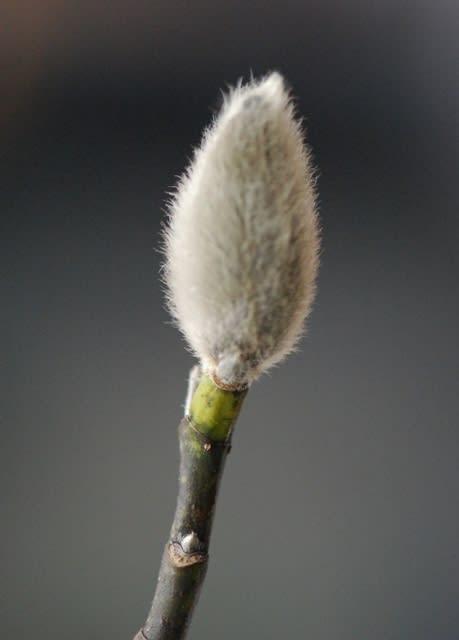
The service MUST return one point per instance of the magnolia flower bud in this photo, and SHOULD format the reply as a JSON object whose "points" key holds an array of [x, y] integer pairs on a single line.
{"points": [[242, 242]]}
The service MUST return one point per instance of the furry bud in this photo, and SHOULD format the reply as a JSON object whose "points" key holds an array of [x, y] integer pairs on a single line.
{"points": [[242, 242]]}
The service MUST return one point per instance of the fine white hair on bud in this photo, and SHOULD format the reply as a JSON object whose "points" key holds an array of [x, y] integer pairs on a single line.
{"points": [[242, 242]]}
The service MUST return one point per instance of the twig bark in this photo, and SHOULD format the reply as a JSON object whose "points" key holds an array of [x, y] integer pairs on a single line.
{"points": [[205, 441]]}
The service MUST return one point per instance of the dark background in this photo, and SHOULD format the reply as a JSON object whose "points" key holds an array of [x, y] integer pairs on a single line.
{"points": [[338, 515]]}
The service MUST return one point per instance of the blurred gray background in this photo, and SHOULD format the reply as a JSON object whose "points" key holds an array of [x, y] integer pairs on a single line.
{"points": [[338, 515]]}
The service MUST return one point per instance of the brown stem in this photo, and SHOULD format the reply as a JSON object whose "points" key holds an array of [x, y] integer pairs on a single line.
{"points": [[184, 562]]}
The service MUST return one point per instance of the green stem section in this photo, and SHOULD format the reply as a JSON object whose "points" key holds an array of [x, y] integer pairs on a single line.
{"points": [[205, 441]]}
